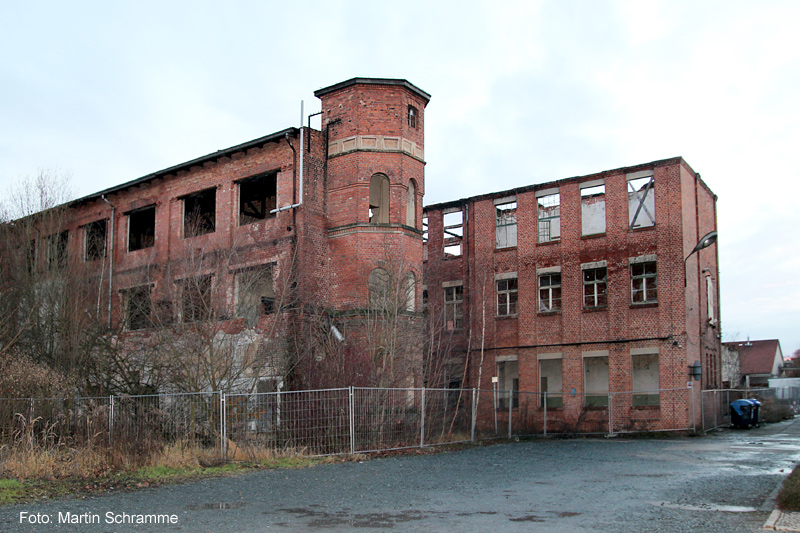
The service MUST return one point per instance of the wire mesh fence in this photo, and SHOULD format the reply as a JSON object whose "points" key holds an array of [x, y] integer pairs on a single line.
{"points": [[358, 420], [776, 404]]}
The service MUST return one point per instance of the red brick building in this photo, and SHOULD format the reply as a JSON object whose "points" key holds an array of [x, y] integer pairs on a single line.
{"points": [[582, 288], [303, 251], [299, 233]]}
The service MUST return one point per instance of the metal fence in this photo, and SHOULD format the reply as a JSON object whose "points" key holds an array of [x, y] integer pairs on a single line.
{"points": [[358, 420], [776, 404]]}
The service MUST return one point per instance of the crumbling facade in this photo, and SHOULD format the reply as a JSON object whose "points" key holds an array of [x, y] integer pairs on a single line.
{"points": [[308, 253], [582, 288]]}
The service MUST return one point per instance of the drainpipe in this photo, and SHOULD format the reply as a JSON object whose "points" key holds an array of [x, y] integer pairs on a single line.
{"points": [[110, 257]]}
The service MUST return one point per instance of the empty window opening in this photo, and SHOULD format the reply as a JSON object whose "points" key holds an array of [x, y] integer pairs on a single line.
{"points": [[550, 292], [550, 382], [142, 228], [593, 210], [257, 197], [506, 224], [199, 213], [710, 297], [641, 202], [379, 291], [453, 311], [137, 307], [644, 283], [95, 240], [595, 287], [379, 199], [255, 295], [196, 303], [507, 297], [453, 233], [411, 205], [30, 256], [425, 238], [412, 116], [595, 381], [549, 209], [507, 384], [57, 250], [645, 380]]}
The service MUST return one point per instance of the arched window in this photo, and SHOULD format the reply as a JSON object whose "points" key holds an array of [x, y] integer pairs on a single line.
{"points": [[411, 204], [379, 199], [379, 289], [409, 292]]}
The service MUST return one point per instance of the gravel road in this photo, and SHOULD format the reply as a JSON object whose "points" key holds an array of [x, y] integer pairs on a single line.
{"points": [[719, 483]]}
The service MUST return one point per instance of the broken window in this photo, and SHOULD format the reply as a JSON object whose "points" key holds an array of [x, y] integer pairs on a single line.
{"points": [[255, 295], [196, 303], [412, 116], [200, 213], [507, 384], [94, 240], [506, 224], [142, 228], [549, 208], [644, 283], [424, 298], [453, 232], [379, 297], [595, 380], [137, 307], [425, 238], [645, 379], [593, 208], [550, 380], [595, 287], [550, 292], [379, 199], [257, 197], [507, 297], [641, 202], [411, 205], [57, 250], [30, 256], [453, 312]]}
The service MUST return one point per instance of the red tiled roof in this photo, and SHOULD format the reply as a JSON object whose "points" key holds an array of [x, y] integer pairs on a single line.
{"points": [[756, 357]]}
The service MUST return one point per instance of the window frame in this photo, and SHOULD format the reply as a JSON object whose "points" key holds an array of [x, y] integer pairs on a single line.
{"points": [[507, 289], [134, 309], [505, 220], [143, 239], [552, 289], [648, 280], [546, 213], [266, 186], [90, 252], [453, 306], [198, 216], [598, 286]]}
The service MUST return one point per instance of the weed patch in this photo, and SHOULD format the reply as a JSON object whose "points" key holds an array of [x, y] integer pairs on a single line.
{"points": [[789, 497]]}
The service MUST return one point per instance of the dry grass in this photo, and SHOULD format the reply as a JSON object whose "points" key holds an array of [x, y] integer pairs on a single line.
{"points": [[789, 497]]}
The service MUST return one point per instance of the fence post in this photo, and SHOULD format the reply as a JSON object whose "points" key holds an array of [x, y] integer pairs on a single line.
{"points": [[352, 424], [111, 420], [474, 414], [694, 417], [702, 413], [510, 406], [422, 421], [716, 407], [222, 443], [610, 413], [544, 399]]}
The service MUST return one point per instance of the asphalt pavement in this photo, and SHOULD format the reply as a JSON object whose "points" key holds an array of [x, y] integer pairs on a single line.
{"points": [[724, 482]]}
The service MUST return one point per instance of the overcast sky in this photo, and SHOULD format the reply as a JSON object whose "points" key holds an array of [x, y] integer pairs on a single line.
{"points": [[109, 92]]}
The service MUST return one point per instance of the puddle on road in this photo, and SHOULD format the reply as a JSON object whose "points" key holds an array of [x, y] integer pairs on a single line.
{"points": [[215, 505], [706, 507]]}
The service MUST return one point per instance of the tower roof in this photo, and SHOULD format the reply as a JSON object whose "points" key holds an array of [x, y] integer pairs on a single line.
{"points": [[373, 81]]}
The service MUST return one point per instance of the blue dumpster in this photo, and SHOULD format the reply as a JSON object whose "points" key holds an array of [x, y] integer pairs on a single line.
{"points": [[744, 413]]}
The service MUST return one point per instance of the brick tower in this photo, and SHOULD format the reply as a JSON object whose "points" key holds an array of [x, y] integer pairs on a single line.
{"points": [[375, 182]]}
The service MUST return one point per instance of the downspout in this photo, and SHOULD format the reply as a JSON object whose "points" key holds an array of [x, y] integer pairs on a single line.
{"points": [[110, 258]]}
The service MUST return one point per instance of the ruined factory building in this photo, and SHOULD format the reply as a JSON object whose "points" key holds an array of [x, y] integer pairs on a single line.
{"points": [[583, 288]]}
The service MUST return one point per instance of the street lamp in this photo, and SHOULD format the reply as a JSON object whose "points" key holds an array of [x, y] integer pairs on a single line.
{"points": [[707, 240]]}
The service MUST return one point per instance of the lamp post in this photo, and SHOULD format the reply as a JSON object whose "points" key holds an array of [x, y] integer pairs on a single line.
{"points": [[707, 240]]}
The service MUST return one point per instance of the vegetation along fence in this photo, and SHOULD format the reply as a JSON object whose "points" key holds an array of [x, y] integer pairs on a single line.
{"points": [[358, 420]]}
